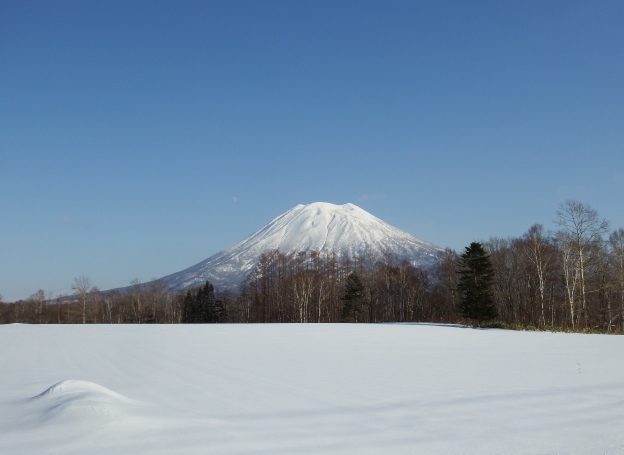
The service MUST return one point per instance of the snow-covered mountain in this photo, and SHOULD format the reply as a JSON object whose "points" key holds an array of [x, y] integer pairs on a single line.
{"points": [[346, 230]]}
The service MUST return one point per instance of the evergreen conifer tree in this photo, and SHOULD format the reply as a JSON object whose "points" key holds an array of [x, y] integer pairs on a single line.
{"points": [[353, 298], [198, 308], [219, 311], [208, 303], [476, 279], [188, 308], [204, 305]]}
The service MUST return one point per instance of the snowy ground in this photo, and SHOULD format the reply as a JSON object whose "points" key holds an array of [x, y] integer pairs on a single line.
{"points": [[308, 389]]}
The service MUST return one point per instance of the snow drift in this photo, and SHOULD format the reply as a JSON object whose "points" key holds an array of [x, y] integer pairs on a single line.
{"points": [[71, 399]]}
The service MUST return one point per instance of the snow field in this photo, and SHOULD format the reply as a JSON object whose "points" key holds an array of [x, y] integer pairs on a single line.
{"points": [[308, 389]]}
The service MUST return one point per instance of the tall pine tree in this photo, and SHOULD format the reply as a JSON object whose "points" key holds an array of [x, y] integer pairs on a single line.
{"points": [[202, 307], [218, 314], [476, 280], [353, 298], [188, 308], [205, 303]]}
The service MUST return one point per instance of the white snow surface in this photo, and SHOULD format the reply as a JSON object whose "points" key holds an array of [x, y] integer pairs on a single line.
{"points": [[346, 230], [308, 389]]}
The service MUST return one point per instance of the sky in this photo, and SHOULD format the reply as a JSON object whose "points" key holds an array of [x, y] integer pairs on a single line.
{"points": [[138, 138]]}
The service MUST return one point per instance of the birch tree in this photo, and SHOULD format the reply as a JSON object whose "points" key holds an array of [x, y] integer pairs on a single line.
{"points": [[616, 244], [539, 251], [136, 291], [584, 227], [81, 285], [569, 267]]}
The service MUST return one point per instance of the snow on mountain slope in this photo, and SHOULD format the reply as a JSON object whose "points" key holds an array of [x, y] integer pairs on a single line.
{"points": [[346, 230]]}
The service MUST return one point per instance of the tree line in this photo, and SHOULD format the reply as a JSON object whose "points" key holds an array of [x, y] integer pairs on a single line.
{"points": [[141, 303], [571, 278]]}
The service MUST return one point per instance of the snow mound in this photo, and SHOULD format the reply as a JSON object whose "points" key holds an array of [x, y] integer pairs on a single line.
{"points": [[75, 388], [78, 402]]}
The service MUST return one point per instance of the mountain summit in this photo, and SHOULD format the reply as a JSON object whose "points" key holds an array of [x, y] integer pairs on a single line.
{"points": [[346, 230]]}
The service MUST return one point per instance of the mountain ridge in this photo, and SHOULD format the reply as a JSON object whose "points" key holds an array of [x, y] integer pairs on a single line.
{"points": [[346, 230]]}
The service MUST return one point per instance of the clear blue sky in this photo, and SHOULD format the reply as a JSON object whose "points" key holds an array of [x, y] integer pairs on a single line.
{"points": [[138, 138]]}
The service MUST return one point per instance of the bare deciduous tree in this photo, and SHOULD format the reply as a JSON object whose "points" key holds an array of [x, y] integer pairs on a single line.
{"points": [[81, 285], [584, 228], [540, 253], [616, 243], [137, 303]]}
